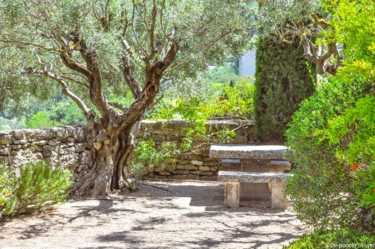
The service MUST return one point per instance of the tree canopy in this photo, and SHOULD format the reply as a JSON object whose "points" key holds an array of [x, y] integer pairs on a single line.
{"points": [[93, 51], [40, 36]]}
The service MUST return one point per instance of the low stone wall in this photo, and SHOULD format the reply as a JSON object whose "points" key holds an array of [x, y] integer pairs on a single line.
{"points": [[66, 147], [60, 146], [196, 164]]}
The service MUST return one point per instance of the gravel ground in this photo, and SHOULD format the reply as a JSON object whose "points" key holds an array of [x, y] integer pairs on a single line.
{"points": [[187, 214]]}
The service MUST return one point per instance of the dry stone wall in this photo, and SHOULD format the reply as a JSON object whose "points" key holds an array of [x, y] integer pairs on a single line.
{"points": [[66, 147], [196, 164], [61, 147]]}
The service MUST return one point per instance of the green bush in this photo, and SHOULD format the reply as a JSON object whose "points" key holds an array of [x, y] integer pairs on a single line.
{"points": [[322, 176], [334, 239], [147, 156], [36, 185], [283, 79], [234, 101], [41, 119], [332, 136]]}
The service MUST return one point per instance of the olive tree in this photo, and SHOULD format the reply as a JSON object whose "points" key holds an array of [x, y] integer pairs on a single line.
{"points": [[94, 50]]}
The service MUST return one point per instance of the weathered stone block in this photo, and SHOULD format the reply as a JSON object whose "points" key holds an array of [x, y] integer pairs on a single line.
{"points": [[232, 194], [164, 173], [180, 176], [170, 167], [196, 157], [5, 151], [6, 139], [196, 162], [183, 162], [195, 172], [204, 168], [181, 172], [216, 163], [186, 167], [247, 151], [204, 173], [278, 199], [158, 169]]}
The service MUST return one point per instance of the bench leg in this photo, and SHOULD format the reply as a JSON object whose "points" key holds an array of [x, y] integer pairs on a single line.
{"points": [[278, 199], [232, 194]]}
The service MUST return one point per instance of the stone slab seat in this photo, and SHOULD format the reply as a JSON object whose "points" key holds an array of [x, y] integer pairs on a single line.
{"points": [[233, 179], [240, 151]]}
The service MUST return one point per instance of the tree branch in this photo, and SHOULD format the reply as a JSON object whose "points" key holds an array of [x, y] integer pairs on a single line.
{"points": [[133, 84], [119, 106], [65, 90], [96, 87]]}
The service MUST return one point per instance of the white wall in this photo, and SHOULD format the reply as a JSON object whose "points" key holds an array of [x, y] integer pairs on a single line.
{"points": [[246, 65]]}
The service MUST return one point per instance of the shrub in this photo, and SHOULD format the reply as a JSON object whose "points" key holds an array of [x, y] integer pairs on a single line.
{"points": [[332, 136], [334, 239], [147, 156], [36, 185], [283, 79], [321, 186], [234, 101]]}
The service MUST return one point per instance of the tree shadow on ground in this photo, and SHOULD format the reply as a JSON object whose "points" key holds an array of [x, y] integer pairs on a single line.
{"points": [[174, 209], [53, 220]]}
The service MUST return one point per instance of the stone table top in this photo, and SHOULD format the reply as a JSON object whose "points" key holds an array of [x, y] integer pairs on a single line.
{"points": [[241, 151], [252, 177]]}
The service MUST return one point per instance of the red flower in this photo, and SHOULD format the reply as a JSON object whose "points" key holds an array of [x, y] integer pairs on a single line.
{"points": [[353, 167]]}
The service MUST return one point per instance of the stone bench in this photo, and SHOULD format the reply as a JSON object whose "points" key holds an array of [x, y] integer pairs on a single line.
{"points": [[240, 151], [233, 180]]}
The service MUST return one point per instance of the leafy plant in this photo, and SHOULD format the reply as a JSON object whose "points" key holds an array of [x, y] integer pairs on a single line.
{"points": [[332, 135], [41, 120], [333, 238], [36, 185], [148, 156], [232, 101]]}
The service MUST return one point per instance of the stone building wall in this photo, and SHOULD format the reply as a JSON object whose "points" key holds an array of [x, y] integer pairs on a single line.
{"points": [[66, 147]]}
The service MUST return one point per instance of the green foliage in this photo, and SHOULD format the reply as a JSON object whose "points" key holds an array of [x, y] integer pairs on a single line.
{"points": [[283, 79], [147, 156], [63, 112], [333, 132], [31, 188], [29, 31], [41, 119], [232, 102], [320, 239], [13, 123], [66, 113], [321, 176]]}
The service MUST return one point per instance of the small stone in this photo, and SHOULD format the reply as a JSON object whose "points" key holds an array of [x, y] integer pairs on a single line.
{"points": [[5, 151], [216, 163], [164, 173], [53, 143], [180, 176], [22, 141], [186, 167], [158, 169], [204, 168], [207, 173], [195, 162], [197, 172], [181, 172]]}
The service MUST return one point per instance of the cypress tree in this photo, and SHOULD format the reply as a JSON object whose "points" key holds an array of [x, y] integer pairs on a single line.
{"points": [[283, 79]]}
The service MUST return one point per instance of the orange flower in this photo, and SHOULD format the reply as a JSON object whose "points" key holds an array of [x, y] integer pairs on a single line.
{"points": [[353, 167], [373, 190]]}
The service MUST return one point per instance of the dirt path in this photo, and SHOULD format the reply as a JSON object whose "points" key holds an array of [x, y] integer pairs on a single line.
{"points": [[189, 215]]}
